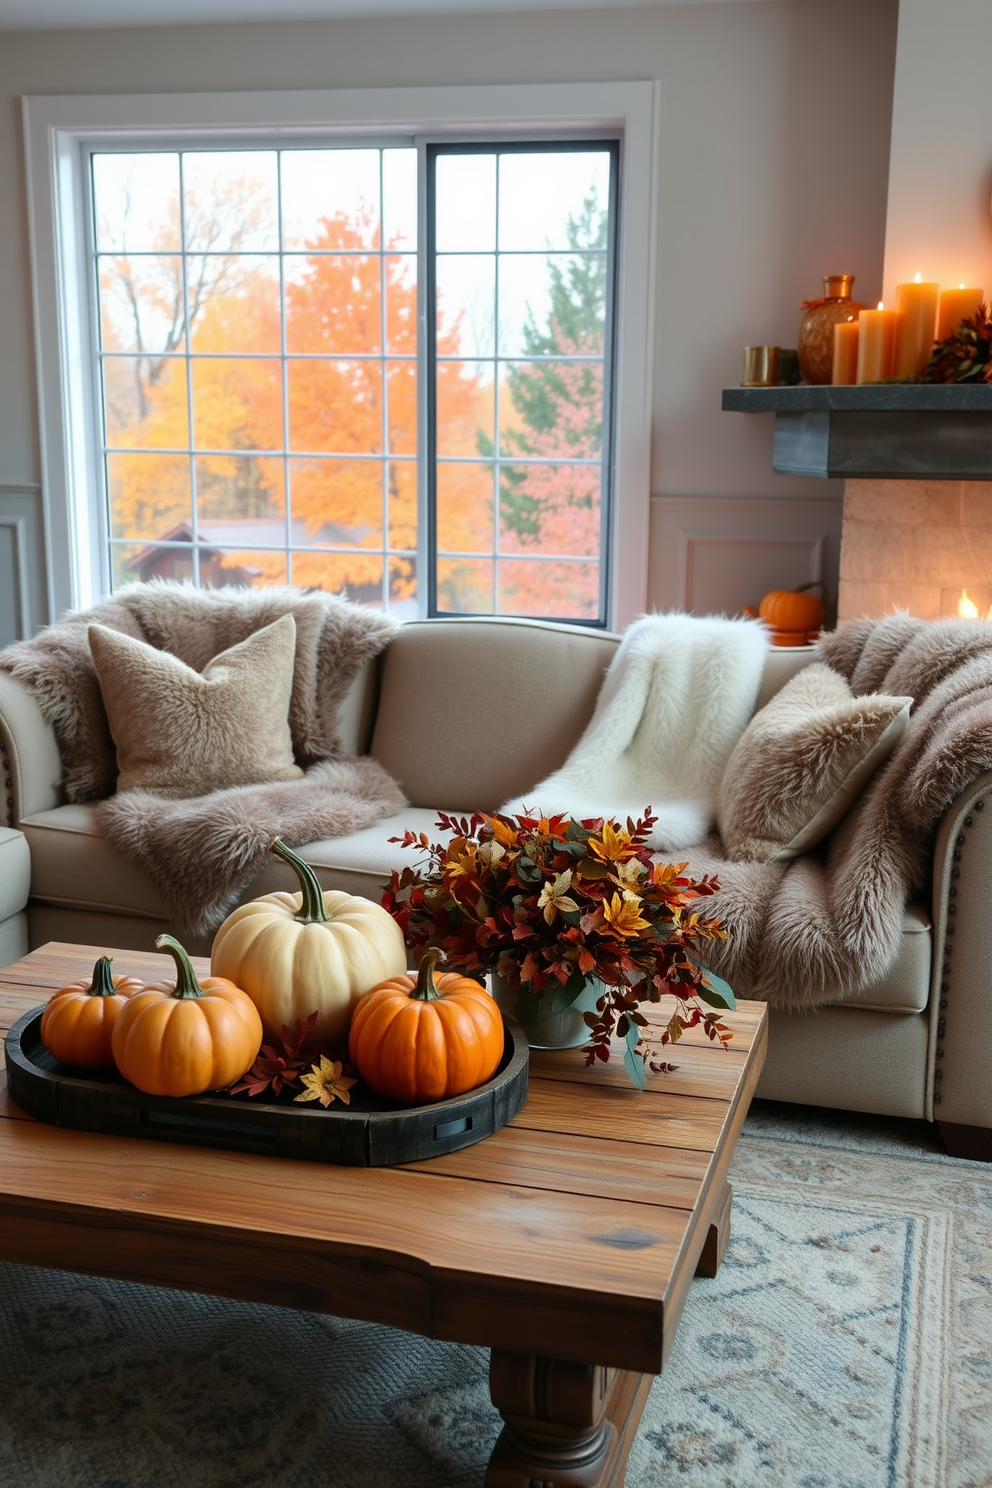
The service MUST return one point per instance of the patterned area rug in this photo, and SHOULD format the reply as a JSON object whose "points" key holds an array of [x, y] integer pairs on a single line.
{"points": [[845, 1344]]}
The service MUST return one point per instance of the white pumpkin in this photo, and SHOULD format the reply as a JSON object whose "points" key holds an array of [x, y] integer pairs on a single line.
{"points": [[319, 950]]}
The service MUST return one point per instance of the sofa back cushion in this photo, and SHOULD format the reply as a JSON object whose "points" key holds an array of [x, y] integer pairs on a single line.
{"points": [[782, 664], [472, 712]]}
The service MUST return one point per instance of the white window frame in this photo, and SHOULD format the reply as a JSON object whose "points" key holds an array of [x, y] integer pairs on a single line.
{"points": [[58, 132]]}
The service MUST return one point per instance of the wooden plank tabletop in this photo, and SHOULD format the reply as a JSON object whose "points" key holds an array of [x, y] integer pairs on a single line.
{"points": [[582, 1219]]}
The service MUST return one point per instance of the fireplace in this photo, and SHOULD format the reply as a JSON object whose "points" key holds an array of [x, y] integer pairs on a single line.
{"points": [[919, 545]]}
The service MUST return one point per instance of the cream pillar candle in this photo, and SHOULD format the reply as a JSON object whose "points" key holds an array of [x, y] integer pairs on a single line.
{"points": [[876, 343], [846, 335], [916, 307], [955, 306]]}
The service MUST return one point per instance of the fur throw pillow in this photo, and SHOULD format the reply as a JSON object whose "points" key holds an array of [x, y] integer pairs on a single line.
{"points": [[181, 732], [802, 762]]}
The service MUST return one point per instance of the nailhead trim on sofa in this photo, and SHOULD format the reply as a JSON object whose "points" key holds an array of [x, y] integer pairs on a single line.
{"points": [[952, 909], [8, 784]]}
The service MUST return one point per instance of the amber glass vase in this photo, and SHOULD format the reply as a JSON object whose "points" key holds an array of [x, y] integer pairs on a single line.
{"points": [[816, 330]]}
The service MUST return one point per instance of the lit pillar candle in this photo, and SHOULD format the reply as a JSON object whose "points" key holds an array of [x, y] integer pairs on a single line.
{"points": [[955, 306], [916, 307], [876, 343], [846, 336]]}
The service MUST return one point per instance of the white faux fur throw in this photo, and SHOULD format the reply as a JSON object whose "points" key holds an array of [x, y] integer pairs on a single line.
{"points": [[678, 695], [202, 851]]}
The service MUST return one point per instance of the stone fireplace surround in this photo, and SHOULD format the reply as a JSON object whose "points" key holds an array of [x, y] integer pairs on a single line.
{"points": [[915, 545]]}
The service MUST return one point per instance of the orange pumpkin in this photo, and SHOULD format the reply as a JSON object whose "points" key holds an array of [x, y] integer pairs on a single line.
{"points": [[184, 1037], [78, 1023], [428, 1037], [792, 610]]}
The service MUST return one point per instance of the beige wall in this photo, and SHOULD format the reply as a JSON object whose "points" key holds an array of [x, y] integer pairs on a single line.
{"points": [[774, 162], [941, 168]]}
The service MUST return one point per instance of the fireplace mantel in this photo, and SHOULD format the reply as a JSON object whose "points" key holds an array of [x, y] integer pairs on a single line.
{"points": [[900, 431]]}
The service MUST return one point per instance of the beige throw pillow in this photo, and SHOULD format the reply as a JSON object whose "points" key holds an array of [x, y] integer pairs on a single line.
{"points": [[182, 733], [802, 762]]}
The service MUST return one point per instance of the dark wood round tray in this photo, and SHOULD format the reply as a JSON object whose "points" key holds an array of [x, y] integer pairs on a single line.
{"points": [[369, 1133]]}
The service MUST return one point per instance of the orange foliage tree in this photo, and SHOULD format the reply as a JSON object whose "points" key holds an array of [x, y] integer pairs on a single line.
{"points": [[351, 439], [351, 436]]}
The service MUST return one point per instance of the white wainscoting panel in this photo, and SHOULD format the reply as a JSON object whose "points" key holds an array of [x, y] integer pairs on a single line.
{"points": [[712, 555], [23, 606]]}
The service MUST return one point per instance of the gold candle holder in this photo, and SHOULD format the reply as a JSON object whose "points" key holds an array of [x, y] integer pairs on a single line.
{"points": [[760, 366]]}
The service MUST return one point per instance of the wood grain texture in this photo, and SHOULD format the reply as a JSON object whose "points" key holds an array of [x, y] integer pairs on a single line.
{"points": [[573, 1231], [715, 1244], [566, 1425]]}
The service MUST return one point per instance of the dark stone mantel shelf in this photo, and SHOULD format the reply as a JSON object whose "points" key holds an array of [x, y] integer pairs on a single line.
{"points": [[901, 431]]}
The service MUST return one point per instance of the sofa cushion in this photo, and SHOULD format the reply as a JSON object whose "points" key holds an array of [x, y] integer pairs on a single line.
{"points": [[180, 732], [905, 987], [15, 872], [72, 863], [73, 866], [514, 696]]}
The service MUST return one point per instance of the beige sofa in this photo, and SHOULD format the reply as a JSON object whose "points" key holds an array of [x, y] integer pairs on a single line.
{"points": [[469, 713], [15, 885]]}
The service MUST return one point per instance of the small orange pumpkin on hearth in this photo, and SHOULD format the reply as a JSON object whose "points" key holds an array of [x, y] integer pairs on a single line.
{"points": [[793, 611], [426, 1037], [78, 1024]]}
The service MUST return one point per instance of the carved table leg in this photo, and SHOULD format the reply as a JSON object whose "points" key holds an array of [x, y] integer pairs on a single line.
{"points": [[567, 1425], [719, 1233]]}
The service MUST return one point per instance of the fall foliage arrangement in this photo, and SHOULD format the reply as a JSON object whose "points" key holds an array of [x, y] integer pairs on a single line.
{"points": [[550, 902], [966, 354]]}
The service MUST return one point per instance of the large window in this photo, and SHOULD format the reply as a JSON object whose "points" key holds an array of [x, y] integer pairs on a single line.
{"points": [[369, 343]]}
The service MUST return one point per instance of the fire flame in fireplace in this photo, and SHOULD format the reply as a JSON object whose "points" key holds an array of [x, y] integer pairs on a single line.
{"points": [[967, 608]]}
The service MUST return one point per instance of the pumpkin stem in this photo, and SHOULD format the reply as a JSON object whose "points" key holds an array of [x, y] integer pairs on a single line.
{"points": [[426, 989], [102, 984], [312, 911], [186, 983]]}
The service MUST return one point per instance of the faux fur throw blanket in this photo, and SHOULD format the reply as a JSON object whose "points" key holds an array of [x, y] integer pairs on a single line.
{"points": [[676, 698], [829, 922], [203, 850]]}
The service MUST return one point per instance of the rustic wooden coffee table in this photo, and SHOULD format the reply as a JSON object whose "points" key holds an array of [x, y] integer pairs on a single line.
{"points": [[565, 1242]]}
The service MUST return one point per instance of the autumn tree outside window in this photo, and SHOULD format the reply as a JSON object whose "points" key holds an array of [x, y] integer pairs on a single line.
{"points": [[261, 369]]}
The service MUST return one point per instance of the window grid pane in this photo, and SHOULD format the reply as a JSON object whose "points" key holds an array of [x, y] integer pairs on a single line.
{"points": [[258, 367], [522, 529]]}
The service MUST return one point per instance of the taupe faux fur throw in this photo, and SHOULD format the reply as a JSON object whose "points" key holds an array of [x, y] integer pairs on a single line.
{"points": [[815, 929], [203, 850], [334, 639]]}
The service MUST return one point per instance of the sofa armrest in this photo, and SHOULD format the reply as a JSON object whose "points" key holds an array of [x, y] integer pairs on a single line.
{"points": [[960, 1076], [31, 762]]}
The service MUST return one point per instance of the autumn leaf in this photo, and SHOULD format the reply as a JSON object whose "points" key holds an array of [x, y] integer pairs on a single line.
{"points": [[491, 853], [276, 1068], [554, 896], [326, 1082], [503, 832], [623, 914], [613, 846], [628, 874]]}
